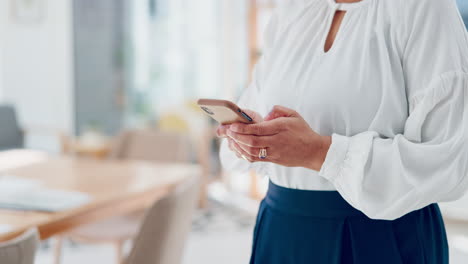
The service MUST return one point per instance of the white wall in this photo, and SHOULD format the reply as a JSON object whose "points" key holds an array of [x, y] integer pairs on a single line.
{"points": [[37, 69]]}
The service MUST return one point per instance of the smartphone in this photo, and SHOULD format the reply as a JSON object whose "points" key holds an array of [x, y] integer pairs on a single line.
{"points": [[223, 111]]}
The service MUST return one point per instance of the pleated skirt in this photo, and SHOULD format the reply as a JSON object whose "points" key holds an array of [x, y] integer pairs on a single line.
{"points": [[320, 227]]}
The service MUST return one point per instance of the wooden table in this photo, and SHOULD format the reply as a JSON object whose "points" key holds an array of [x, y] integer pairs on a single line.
{"points": [[116, 188]]}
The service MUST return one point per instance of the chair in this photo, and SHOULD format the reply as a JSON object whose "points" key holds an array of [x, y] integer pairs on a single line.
{"points": [[151, 145], [161, 238], [147, 145], [11, 135], [20, 250]]}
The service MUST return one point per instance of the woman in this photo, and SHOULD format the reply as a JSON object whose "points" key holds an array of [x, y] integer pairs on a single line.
{"points": [[365, 130]]}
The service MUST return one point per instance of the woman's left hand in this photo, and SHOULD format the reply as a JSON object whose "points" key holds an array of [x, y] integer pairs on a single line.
{"points": [[287, 138]]}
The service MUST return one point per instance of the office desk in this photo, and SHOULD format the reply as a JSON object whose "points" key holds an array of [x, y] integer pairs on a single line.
{"points": [[116, 188]]}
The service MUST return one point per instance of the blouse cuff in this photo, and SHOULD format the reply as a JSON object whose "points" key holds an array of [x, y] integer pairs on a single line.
{"points": [[347, 156], [335, 158]]}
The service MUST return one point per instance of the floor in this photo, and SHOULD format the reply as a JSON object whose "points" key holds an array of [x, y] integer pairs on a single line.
{"points": [[220, 235], [206, 249]]}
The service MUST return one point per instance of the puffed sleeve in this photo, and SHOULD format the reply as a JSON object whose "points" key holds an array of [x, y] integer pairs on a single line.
{"points": [[250, 99], [387, 178]]}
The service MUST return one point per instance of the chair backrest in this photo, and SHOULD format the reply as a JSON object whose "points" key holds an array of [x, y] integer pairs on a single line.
{"points": [[152, 145], [11, 135], [166, 226], [20, 250]]}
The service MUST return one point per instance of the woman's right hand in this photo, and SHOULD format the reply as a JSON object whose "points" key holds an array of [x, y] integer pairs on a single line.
{"points": [[233, 146], [222, 129], [240, 150]]}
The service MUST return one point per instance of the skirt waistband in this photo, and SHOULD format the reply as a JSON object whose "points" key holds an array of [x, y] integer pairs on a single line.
{"points": [[309, 203]]}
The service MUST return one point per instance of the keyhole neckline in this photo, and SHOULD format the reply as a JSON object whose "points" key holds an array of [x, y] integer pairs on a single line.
{"points": [[347, 6]]}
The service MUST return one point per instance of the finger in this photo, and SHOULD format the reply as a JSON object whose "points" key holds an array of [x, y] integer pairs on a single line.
{"points": [[254, 115], [221, 131], [233, 149], [252, 151], [243, 150], [237, 150], [249, 140], [274, 115], [231, 144], [281, 111], [260, 129], [245, 155]]}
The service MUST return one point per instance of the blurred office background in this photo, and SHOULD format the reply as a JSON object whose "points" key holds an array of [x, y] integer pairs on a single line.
{"points": [[81, 75]]}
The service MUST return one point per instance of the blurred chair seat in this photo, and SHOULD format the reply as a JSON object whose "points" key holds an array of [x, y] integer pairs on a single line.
{"points": [[151, 145], [147, 145], [20, 250]]}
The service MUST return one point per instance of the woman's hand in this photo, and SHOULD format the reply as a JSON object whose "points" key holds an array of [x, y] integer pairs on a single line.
{"points": [[222, 133], [285, 135], [222, 129]]}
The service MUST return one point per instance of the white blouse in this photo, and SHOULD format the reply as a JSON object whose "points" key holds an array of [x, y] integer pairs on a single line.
{"points": [[392, 92]]}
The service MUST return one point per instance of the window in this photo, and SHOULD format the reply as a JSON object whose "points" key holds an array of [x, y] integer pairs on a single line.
{"points": [[184, 49]]}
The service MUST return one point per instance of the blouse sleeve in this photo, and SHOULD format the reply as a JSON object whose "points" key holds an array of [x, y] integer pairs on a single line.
{"points": [[387, 178], [249, 99]]}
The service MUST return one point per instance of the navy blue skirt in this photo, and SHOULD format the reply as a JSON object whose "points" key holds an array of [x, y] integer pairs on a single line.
{"points": [[320, 227]]}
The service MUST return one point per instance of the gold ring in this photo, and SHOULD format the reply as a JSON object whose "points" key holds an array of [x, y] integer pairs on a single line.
{"points": [[263, 153]]}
